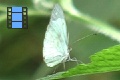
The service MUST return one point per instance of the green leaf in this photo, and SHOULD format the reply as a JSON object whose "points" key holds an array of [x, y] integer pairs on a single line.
{"points": [[106, 60]]}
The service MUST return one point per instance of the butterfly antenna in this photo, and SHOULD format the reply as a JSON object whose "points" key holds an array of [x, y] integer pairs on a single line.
{"points": [[84, 38]]}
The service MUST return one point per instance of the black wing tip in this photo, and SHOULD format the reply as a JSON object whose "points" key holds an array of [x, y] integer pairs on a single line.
{"points": [[57, 6], [57, 12]]}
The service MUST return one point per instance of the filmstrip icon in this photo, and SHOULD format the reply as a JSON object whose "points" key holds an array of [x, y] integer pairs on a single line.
{"points": [[17, 18]]}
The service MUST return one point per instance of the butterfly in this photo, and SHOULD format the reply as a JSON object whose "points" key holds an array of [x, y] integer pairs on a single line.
{"points": [[55, 45]]}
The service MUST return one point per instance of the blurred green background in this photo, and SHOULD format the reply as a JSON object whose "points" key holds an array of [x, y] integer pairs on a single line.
{"points": [[21, 49]]}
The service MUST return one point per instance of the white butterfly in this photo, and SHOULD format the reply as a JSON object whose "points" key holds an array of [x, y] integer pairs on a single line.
{"points": [[55, 49]]}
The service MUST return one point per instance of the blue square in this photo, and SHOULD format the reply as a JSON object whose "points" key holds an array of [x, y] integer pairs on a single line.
{"points": [[16, 16], [16, 24], [16, 9]]}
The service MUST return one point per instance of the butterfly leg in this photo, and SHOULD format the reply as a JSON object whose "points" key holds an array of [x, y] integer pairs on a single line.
{"points": [[64, 65], [55, 69], [75, 59]]}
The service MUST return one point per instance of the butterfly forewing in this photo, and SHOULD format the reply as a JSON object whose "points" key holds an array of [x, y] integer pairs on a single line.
{"points": [[55, 49], [57, 15]]}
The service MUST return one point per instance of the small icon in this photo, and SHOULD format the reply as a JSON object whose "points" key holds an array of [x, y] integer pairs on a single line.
{"points": [[17, 18]]}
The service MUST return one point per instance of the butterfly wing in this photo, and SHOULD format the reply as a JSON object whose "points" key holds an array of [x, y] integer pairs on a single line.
{"points": [[55, 48]]}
